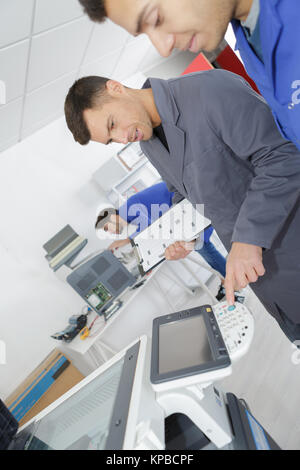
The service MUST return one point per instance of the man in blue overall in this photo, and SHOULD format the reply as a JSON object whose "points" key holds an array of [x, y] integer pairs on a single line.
{"points": [[137, 210], [267, 34]]}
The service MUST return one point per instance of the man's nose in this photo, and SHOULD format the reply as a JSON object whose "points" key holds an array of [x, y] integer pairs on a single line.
{"points": [[163, 42]]}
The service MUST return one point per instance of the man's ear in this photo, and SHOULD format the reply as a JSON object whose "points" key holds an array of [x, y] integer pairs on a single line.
{"points": [[114, 88]]}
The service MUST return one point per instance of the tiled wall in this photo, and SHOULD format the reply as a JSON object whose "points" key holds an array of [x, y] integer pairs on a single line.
{"points": [[44, 46]]}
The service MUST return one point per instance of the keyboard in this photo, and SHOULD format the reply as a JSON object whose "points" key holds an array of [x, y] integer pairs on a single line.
{"points": [[236, 324]]}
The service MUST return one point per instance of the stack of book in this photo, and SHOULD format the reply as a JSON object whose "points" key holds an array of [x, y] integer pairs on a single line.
{"points": [[63, 247]]}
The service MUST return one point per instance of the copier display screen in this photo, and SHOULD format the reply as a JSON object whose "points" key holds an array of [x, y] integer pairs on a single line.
{"points": [[183, 344]]}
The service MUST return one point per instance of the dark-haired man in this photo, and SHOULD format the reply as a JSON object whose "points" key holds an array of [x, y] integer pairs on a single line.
{"points": [[214, 142], [267, 33]]}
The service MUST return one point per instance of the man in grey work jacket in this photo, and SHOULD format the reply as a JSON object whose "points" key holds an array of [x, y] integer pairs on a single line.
{"points": [[214, 141]]}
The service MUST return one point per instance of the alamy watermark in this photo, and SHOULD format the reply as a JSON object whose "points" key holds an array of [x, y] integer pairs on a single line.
{"points": [[176, 224], [296, 94], [2, 92], [2, 353]]}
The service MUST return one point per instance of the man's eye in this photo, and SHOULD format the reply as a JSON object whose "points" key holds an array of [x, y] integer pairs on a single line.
{"points": [[111, 127], [154, 19], [158, 22]]}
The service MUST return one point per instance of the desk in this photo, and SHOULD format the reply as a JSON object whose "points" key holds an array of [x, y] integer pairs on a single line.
{"points": [[83, 346]]}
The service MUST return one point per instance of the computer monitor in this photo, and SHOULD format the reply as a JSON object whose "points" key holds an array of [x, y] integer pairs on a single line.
{"points": [[102, 412], [100, 280]]}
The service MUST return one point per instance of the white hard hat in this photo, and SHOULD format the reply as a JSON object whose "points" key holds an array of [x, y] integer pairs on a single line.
{"points": [[100, 233]]}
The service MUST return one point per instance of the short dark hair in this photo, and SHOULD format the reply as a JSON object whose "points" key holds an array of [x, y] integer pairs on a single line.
{"points": [[104, 216], [95, 9], [85, 93]]}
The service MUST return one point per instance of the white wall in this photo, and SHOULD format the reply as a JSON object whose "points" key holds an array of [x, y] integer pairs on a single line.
{"points": [[44, 46]]}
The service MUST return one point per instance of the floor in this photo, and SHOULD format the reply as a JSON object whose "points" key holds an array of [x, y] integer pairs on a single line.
{"points": [[268, 376]]}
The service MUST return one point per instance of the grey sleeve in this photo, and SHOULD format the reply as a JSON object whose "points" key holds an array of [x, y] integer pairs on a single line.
{"points": [[242, 120]]}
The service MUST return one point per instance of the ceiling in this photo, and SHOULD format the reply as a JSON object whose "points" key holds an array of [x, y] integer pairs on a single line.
{"points": [[44, 46]]}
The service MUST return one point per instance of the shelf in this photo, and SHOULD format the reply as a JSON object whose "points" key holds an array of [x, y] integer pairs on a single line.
{"points": [[143, 176]]}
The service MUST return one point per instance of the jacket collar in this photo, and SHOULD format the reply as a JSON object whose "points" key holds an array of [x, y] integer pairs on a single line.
{"points": [[169, 114], [164, 100]]}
